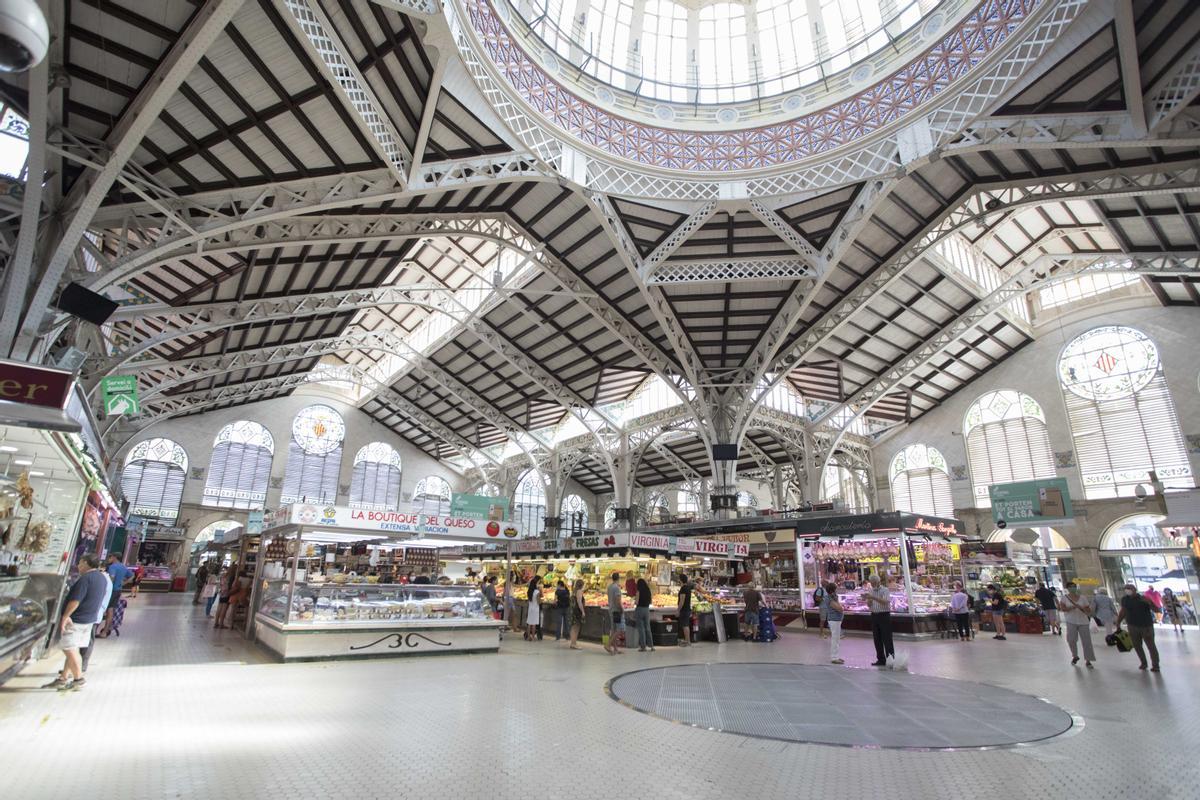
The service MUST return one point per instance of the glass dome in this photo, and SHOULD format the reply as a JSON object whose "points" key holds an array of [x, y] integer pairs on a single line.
{"points": [[715, 51]]}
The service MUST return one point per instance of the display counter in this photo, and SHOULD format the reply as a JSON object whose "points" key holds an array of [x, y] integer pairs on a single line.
{"points": [[156, 579], [23, 623], [326, 620]]}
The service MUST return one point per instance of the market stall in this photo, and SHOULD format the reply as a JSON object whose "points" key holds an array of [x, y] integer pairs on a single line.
{"points": [[46, 473], [310, 605], [659, 559], [919, 556], [1014, 567]]}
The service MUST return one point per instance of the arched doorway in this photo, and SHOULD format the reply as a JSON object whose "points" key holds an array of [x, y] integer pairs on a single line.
{"points": [[1135, 550], [1049, 546]]}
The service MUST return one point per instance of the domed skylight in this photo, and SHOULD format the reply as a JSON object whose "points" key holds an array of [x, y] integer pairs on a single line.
{"points": [[701, 51]]}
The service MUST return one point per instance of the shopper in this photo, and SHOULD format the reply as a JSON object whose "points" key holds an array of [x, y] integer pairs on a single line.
{"points": [[1140, 613], [960, 607], [1104, 611], [753, 601], [834, 614], [562, 607], [1172, 609], [1049, 602], [533, 615], [616, 613], [489, 593], [1155, 599], [1077, 614], [85, 653], [578, 611], [819, 602], [85, 603], [120, 574], [642, 616], [685, 612], [229, 586], [212, 587], [139, 571], [201, 580], [999, 606], [879, 602]]}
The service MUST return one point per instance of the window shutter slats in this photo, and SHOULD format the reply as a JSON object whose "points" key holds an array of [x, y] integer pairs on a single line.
{"points": [[310, 478], [1007, 451], [154, 489], [238, 476]]}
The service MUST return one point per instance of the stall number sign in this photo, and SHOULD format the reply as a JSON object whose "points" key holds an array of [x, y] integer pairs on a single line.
{"points": [[120, 393]]}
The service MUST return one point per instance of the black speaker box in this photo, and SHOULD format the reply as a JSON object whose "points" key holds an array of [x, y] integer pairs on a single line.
{"points": [[79, 301]]}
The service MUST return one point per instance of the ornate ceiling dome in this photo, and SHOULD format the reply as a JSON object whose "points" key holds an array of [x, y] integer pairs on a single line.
{"points": [[715, 51]]}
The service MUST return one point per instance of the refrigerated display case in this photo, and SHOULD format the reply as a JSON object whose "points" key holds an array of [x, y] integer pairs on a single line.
{"points": [[339, 620], [22, 623]]}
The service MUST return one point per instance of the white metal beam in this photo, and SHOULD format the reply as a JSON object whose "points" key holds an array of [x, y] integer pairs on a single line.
{"points": [[89, 192], [1175, 90], [1129, 60]]}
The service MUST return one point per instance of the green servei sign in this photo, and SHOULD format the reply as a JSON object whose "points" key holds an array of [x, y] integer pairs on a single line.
{"points": [[476, 506], [120, 394], [1030, 502]]}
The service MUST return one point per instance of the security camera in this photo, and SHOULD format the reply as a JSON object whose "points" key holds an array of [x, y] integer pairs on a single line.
{"points": [[24, 35]]}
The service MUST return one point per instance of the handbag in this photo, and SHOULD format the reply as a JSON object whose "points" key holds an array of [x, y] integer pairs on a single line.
{"points": [[1119, 640]]}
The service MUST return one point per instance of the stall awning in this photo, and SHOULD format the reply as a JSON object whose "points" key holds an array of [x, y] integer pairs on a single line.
{"points": [[37, 417]]}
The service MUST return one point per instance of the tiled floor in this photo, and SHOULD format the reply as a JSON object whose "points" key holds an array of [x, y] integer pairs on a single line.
{"points": [[174, 709]]}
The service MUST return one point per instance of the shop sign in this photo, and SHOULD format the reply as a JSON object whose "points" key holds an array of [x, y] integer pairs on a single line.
{"points": [[254, 523], [1146, 539], [535, 545], [733, 537], [476, 506], [937, 527], [395, 522], [1030, 502], [856, 524], [120, 395], [649, 541], [600, 542], [35, 386], [712, 547]]}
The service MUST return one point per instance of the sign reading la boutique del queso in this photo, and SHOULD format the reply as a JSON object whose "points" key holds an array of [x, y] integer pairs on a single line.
{"points": [[395, 522]]}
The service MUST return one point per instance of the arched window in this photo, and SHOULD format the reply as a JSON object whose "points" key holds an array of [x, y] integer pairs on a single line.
{"points": [[656, 508], [529, 507], [432, 496], [848, 484], [1121, 414], [920, 482], [314, 456], [687, 501], [153, 478], [375, 483], [240, 467], [1007, 441], [610, 515], [571, 505]]}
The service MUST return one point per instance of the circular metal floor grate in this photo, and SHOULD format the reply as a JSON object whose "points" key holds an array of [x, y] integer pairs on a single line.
{"points": [[841, 706]]}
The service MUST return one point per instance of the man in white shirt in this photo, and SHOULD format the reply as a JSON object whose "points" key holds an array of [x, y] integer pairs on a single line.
{"points": [[1077, 616], [879, 601]]}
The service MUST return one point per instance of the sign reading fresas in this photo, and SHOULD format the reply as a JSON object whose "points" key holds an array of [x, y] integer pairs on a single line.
{"points": [[34, 386], [120, 395], [394, 522], [1030, 502], [476, 506]]}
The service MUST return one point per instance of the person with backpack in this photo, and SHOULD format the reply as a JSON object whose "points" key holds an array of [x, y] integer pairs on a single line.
{"points": [[822, 609], [834, 614], [999, 606]]}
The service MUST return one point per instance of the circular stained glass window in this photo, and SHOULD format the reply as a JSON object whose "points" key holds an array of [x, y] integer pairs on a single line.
{"points": [[318, 430], [1107, 363]]}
